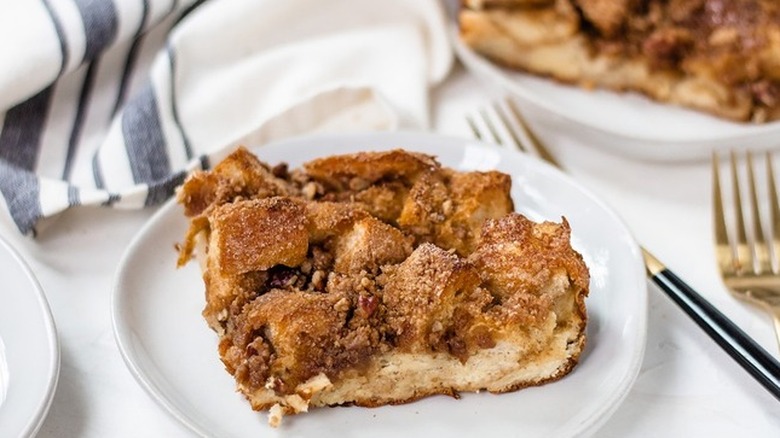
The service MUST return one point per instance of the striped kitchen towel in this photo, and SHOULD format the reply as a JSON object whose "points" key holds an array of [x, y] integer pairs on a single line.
{"points": [[112, 102]]}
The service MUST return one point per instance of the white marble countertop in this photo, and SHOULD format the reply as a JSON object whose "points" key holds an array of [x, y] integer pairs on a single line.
{"points": [[687, 385]]}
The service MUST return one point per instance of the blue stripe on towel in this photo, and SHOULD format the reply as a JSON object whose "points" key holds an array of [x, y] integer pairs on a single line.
{"points": [[22, 195], [100, 25], [144, 140], [22, 129]]}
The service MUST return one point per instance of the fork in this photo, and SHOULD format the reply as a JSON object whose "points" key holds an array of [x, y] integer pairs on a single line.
{"points": [[502, 123], [749, 266]]}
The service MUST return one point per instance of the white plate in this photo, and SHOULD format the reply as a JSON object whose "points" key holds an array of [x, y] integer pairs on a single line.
{"points": [[173, 354], [29, 350], [624, 123]]}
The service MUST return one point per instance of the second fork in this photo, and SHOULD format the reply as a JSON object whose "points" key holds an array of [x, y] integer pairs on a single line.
{"points": [[749, 262]]}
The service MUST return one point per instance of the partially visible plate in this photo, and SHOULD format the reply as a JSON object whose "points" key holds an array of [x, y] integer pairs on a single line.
{"points": [[29, 349], [173, 354], [628, 123]]}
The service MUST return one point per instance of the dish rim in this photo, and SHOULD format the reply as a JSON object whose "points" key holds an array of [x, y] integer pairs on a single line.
{"points": [[34, 423]]}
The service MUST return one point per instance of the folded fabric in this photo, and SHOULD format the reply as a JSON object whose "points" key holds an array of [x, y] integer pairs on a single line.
{"points": [[112, 102]]}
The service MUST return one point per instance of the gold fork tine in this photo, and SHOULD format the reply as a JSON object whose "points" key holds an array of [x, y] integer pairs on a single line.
{"points": [[774, 211], [477, 133], [774, 225], [491, 127], [505, 121], [760, 247], [725, 252], [544, 153], [744, 259]]}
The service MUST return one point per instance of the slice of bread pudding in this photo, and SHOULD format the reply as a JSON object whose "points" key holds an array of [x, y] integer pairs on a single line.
{"points": [[379, 278], [717, 56]]}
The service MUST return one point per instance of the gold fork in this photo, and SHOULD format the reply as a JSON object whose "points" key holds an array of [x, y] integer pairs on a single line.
{"points": [[510, 129], [749, 266]]}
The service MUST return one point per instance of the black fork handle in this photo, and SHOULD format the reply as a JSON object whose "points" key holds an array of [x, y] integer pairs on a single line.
{"points": [[741, 347]]}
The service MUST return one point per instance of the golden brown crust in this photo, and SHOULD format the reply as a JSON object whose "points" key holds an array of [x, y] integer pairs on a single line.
{"points": [[256, 235], [369, 245], [319, 302], [514, 247], [712, 55], [421, 295], [357, 171], [241, 174], [447, 208]]}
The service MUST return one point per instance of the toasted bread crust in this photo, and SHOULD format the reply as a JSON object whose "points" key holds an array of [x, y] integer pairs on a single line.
{"points": [[318, 302]]}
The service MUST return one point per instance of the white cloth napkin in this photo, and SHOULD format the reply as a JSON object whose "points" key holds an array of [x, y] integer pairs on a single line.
{"points": [[112, 102]]}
